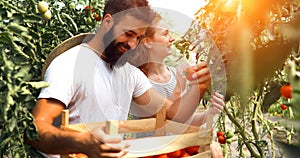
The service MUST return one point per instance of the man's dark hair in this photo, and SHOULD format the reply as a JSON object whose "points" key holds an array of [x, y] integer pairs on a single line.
{"points": [[138, 8]]}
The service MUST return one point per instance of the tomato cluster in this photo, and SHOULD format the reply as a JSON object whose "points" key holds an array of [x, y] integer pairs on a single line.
{"points": [[90, 10], [186, 152], [224, 138], [43, 8]]}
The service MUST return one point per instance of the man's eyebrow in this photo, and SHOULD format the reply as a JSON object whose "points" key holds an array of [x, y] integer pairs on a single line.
{"points": [[131, 31]]}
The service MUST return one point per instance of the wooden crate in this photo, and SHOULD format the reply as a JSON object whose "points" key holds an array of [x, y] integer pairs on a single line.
{"points": [[182, 135]]}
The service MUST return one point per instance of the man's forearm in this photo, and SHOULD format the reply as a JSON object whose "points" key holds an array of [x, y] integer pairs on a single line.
{"points": [[55, 141]]}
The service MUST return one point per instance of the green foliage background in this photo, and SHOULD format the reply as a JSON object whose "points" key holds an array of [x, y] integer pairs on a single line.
{"points": [[26, 39]]}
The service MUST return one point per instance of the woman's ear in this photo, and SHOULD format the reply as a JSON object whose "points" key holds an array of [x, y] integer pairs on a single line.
{"points": [[147, 43], [108, 21]]}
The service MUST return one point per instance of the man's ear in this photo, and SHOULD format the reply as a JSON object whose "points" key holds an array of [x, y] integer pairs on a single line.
{"points": [[108, 21], [147, 43]]}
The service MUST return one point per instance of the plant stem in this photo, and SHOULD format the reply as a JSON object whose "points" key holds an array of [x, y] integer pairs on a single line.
{"points": [[253, 122], [242, 133]]}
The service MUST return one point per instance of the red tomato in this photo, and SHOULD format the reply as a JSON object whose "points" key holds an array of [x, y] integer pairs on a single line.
{"points": [[97, 17], [80, 155], [192, 150], [189, 71], [283, 107], [286, 91], [161, 156], [221, 139], [147, 157], [185, 154], [87, 8], [220, 133], [174, 154]]}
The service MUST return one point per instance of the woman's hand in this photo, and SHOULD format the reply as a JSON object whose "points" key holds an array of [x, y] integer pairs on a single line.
{"points": [[217, 104], [201, 76]]}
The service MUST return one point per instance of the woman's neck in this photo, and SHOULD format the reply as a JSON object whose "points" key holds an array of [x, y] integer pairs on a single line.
{"points": [[156, 68], [158, 72]]}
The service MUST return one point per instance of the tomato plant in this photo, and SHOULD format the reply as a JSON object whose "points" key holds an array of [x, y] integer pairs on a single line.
{"points": [[29, 30], [254, 54]]}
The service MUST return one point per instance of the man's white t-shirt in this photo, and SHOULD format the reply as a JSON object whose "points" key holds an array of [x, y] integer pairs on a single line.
{"points": [[90, 88]]}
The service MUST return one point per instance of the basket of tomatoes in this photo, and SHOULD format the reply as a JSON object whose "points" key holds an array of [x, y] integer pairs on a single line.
{"points": [[170, 139]]}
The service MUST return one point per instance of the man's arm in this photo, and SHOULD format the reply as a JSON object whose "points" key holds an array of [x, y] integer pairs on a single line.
{"points": [[56, 141]]}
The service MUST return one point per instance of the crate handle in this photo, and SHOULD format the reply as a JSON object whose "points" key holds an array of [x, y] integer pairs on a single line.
{"points": [[160, 123], [65, 117]]}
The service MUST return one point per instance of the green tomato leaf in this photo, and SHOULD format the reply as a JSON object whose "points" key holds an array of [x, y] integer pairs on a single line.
{"points": [[16, 28], [39, 84], [22, 72], [12, 124]]}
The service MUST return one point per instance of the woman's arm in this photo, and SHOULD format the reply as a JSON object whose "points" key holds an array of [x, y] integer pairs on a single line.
{"points": [[216, 107]]}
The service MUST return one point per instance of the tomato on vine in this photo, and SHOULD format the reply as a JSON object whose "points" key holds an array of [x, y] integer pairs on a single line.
{"points": [[87, 9], [221, 139], [47, 15], [283, 107], [229, 134], [220, 133], [286, 91], [43, 6], [97, 17]]}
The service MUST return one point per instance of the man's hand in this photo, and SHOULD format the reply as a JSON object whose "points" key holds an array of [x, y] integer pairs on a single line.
{"points": [[99, 144]]}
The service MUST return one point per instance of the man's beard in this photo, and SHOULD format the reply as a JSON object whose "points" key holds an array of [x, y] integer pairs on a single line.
{"points": [[111, 50]]}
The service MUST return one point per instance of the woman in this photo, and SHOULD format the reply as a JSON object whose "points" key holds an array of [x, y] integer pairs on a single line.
{"points": [[155, 47]]}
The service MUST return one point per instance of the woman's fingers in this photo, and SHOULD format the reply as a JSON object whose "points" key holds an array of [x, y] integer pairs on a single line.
{"points": [[217, 103], [218, 99]]}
